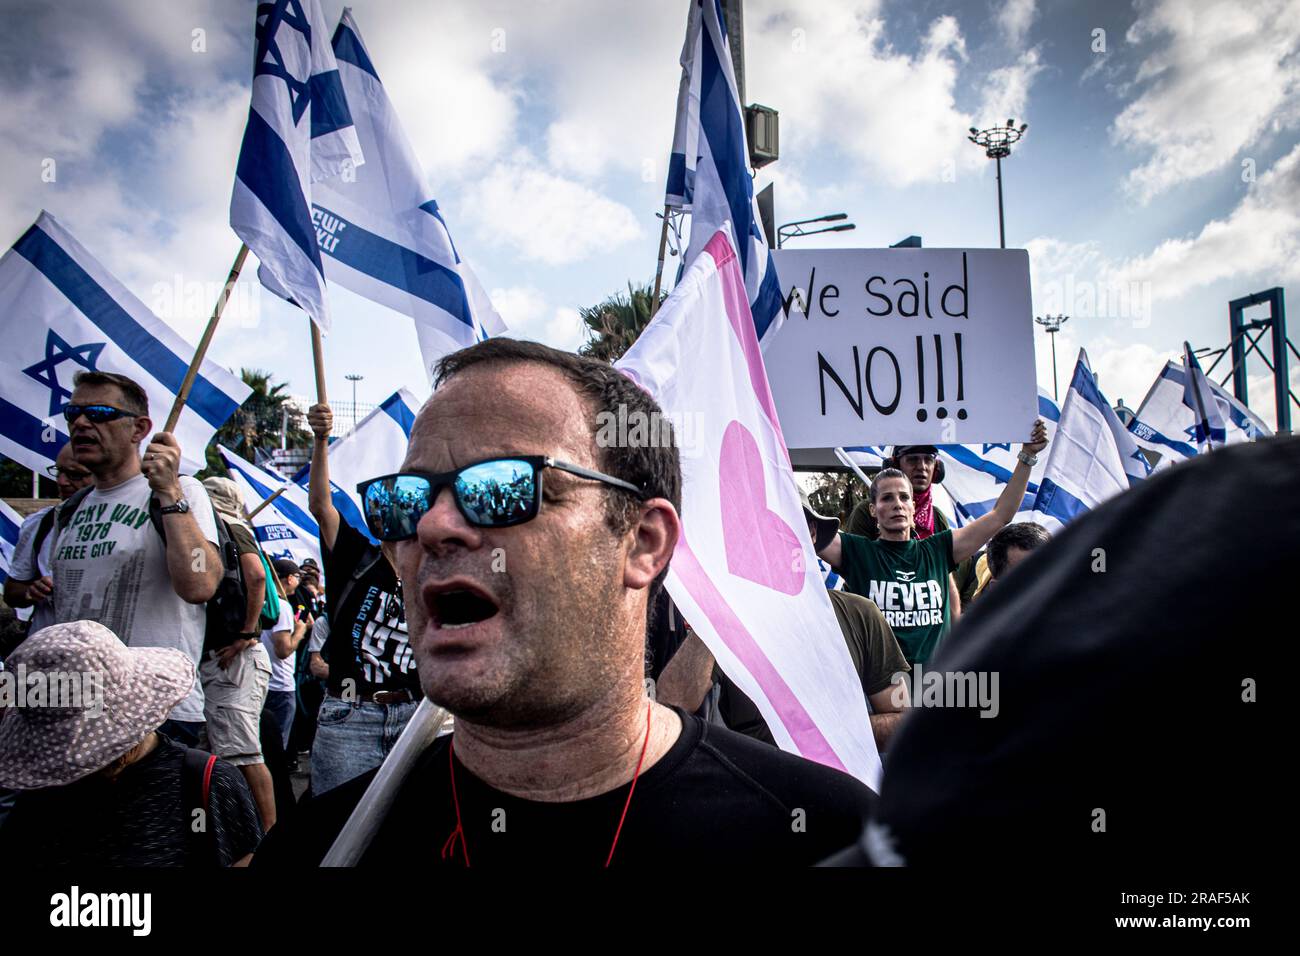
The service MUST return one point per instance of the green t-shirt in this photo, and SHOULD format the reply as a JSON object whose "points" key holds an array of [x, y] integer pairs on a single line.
{"points": [[908, 580]]}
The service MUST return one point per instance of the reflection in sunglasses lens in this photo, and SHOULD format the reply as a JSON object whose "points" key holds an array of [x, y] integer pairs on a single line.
{"points": [[497, 493]]}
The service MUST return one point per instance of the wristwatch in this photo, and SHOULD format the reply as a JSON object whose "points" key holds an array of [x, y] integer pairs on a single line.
{"points": [[181, 507], [1027, 458]]}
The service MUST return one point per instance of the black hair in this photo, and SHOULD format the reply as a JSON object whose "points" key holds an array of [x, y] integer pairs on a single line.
{"points": [[1023, 535]]}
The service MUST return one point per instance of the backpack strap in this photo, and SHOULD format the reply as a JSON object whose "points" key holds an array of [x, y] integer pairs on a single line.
{"points": [[363, 568], [43, 532], [66, 510], [196, 794]]}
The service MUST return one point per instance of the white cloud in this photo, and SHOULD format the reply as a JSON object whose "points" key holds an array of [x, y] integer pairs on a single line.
{"points": [[1006, 92], [1224, 72], [545, 217], [1015, 17], [1260, 236], [458, 105], [842, 83], [529, 316]]}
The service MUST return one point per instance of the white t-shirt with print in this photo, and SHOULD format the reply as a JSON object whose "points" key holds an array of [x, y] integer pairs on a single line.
{"points": [[28, 566], [281, 670], [110, 566]]}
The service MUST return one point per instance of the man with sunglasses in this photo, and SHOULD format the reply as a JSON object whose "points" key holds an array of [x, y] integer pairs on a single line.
{"points": [[31, 576], [373, 688], [529, 554], [145, 581]]}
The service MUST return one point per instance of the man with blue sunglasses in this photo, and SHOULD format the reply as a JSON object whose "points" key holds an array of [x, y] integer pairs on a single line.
{"points": [[137, 552], [529, 554]]}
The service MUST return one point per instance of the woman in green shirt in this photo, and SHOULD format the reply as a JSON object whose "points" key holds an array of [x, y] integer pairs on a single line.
{"points": [[907, 578]]}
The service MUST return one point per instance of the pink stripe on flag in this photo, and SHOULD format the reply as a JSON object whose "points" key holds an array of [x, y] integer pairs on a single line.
{"points": [[805, 733], [742, 323]]}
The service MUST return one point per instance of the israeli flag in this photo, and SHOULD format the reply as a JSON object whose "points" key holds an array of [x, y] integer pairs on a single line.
{"points": [[377, 446], [285, 527], [299, 132], [62, 312], [867, 456], [1167, 426], [1209, 430], [381, 232], [1091, 458], [709, 166], [10, 522], [974, 475]]}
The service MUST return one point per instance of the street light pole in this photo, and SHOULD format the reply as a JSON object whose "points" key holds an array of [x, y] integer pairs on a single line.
{"points": [[1052, 324], [796, 228], [354, 379], [996, 141]]}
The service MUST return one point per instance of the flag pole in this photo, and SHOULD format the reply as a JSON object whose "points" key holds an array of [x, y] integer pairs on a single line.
{"points": [[192, 373], [253, 514], [659, 272], [318, 358], [364, 823], [1188, 361]]}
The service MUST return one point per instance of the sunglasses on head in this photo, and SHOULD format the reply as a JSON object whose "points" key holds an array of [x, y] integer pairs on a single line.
{"points": [[496, 493], [98, 414]]}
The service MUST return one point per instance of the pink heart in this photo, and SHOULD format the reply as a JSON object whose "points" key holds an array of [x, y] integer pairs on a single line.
{"points": [[760, 546]]}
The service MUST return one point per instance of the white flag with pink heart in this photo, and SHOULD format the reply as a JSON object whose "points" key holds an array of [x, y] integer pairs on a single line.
{"points": [[744, 574]]}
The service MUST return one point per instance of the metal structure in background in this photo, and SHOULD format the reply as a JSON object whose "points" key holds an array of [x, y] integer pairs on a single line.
{"points": [[354, 379], [1053, 323], [996, 141], [1241, 343], [793, 230]]}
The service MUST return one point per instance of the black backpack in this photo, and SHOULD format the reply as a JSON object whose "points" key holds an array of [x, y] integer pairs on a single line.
{"points": [[228, 604]]}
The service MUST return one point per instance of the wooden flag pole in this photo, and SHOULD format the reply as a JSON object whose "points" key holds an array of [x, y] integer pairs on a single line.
{"points": [[659, 271], [252, 514], [192, 373], [318, 357]]}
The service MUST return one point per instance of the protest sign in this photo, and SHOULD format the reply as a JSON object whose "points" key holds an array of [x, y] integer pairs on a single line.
{"points": [[915, 346]]}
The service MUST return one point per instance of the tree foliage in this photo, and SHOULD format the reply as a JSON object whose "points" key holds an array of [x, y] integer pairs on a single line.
{"points": [[615, 324], [258, 422]]}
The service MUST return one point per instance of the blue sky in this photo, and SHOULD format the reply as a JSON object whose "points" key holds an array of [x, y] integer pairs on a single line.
{"points": [[1168, 165]]}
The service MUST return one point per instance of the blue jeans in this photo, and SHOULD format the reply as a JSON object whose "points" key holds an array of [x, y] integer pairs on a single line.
{"points": [[279, 706], [352, 738]]}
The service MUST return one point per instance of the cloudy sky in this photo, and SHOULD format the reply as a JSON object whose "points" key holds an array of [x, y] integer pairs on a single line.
{"points": [[1160, 176]]}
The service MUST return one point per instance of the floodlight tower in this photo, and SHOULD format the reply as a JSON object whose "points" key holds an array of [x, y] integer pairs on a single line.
{"points": [[996, 141]]}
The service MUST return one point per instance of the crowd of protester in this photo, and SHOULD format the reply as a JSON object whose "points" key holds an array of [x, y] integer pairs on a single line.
{"points": [[221, 665]]}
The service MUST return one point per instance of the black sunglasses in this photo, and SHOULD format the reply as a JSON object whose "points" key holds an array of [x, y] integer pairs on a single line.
{"points": [[55, 470], [496, 493], [96, 413]]}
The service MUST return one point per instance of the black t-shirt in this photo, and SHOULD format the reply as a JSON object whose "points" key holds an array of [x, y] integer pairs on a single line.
{"points": [[139, 819], [715, 799], [367, 641]]}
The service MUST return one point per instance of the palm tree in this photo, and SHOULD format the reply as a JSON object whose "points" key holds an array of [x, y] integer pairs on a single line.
{"points": [[258, 422], [617, 322]]}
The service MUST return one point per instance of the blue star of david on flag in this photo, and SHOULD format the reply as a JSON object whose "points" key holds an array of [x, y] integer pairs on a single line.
{"points": [[987, 448], [58, 351], [270, 61]]}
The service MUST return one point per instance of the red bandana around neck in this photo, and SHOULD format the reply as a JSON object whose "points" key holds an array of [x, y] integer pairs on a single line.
{"points": [[924, 519]]}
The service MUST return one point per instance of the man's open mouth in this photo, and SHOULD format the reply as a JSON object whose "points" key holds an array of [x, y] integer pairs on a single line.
{"points": [[458, 605]]}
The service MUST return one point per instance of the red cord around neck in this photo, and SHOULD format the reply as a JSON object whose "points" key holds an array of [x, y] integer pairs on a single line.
{"points": [[449, 848]]}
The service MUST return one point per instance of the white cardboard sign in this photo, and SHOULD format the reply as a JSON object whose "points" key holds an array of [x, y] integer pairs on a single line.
{"points": [[908, 346]]}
